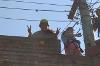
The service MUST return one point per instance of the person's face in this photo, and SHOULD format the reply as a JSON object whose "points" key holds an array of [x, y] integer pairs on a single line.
{"points": [[98, 12], [71, 31], [44, 27]]}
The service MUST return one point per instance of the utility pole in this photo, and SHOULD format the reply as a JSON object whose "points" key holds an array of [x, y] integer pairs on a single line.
{"points": [[86, 21], [86, 24]]}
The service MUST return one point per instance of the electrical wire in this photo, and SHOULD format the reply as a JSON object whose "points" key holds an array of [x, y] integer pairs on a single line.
{"points": [[37, 3], [26, 9], [8, 18]]}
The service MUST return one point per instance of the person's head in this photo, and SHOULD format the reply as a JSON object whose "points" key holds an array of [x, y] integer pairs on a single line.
{"points": [[70, 30], [98, 11], [44, 24]]}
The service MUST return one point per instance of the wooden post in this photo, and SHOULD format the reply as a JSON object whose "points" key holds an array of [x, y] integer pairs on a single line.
{"points": [[73, 9], [86, 24]]}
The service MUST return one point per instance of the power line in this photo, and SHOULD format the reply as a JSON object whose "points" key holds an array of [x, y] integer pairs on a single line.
{"points": [[92, 4], [95, 3], [8, 18], [26, 9], [37, 3], [91, 7]]}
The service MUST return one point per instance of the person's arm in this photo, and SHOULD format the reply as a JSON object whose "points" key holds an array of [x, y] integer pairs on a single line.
{"points": [[57, 31], [95, 23], [63, 37], [29, 31]]}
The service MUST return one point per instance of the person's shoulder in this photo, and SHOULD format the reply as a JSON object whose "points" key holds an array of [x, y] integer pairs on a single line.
{"points": [[36, 33], [50, 31], [63, 33]]}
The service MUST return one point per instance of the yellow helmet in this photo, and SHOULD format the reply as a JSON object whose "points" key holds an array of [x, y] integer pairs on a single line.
{"points": [[44, 21]]}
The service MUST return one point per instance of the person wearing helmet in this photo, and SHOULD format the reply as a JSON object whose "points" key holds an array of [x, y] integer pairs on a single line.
{"points": [[44, 31], [44, 25]]}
